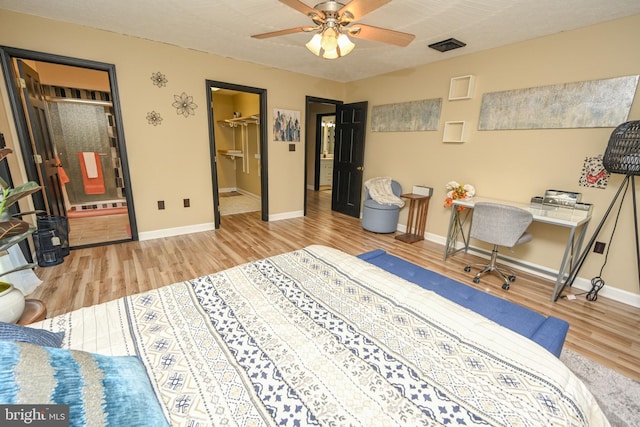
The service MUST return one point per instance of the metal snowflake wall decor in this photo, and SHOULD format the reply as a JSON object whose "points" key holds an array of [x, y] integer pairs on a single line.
{"points": [[154, 118], [184, 105], [159, 79]]}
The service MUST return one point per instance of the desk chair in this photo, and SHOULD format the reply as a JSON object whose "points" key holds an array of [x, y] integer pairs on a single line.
{"points": [[500, 225]]}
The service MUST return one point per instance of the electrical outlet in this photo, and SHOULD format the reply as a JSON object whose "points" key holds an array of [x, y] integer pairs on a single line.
{"points": [[599, 247], [186, 203], [160, 204]]}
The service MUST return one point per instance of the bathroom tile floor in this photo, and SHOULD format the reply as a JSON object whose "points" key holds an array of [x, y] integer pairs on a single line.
{"points": [[98, 229]]}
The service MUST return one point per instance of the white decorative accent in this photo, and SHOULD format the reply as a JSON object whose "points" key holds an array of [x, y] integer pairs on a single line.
{"points": [[461, 87], [454, 131], [11, 305]]}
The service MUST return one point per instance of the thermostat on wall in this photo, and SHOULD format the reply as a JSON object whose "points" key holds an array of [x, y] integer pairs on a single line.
{"points": [[422, 190]]}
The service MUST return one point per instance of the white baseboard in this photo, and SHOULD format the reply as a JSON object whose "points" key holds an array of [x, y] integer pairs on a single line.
{"points": [[177, 231], [238, 190], [246, 193], [286, 215], [581, 283]]}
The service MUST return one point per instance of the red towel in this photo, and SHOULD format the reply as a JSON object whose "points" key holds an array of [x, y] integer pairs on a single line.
{"points": [[64, 178], [92, 185]]}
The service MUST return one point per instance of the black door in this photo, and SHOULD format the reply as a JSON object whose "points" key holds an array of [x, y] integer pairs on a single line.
{"points": [[41, 141], [351, 120]]}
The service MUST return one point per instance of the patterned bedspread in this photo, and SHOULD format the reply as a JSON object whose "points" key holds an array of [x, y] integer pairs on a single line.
{"points": [[318, 337]]}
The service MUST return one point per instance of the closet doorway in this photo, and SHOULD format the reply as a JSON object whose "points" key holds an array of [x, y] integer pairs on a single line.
{"points": [[68, 123], [238, 145]]}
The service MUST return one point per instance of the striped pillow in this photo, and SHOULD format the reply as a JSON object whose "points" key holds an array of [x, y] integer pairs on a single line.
{"points": [[100, 390], [13, 332]]}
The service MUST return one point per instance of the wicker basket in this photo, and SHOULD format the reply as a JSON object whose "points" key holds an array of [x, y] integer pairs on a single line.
{"points": [[623, 152]]}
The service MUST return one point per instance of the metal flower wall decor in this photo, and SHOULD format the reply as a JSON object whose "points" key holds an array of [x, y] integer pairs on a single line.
{"points": [[159, 79], [184, 105], [154, 118]]}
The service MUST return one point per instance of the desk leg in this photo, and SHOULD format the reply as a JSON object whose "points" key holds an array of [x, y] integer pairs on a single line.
{"points": [[571, 251], [456, 230]]}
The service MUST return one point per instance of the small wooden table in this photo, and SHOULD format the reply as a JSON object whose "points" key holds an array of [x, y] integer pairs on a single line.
{"points": [[417, 220], [34, 311]]}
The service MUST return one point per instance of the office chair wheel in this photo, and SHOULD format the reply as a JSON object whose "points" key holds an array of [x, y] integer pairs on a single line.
{"points": [[467, 268], [505, 286], [512, 278], [476, 280]]}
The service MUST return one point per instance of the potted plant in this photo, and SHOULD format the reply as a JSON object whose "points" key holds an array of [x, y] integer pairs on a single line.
{"points": [[12, 232]]}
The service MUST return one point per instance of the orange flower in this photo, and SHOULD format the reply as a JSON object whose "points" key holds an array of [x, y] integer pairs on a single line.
{"points": [[456, 191]]}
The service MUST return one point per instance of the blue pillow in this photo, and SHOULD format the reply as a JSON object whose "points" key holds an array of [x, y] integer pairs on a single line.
{"points": [[13, 332], [100, 390]]}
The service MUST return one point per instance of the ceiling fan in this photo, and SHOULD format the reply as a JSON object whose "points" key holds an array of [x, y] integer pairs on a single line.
{"points": [[334, 22]]}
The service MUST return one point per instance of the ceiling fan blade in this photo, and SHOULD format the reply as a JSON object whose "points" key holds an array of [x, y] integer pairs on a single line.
{"points": [[283, 32], [303, 8], [383, 35], [359, 8]]}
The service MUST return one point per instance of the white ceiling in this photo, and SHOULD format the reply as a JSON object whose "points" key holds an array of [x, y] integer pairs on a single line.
{"points": [[224, 27]]}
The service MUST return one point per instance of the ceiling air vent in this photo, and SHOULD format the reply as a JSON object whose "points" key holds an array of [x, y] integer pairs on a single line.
{"points": [[448, 44]]}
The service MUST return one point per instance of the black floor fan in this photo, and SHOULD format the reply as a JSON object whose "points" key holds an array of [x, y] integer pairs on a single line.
{"points": [[622, 156]]}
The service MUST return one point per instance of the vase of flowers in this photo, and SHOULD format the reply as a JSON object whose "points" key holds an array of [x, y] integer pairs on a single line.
{"points": [[456, 191]]}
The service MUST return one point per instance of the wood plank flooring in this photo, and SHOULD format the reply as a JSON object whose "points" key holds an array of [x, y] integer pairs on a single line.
{"points": [[605, 331]]}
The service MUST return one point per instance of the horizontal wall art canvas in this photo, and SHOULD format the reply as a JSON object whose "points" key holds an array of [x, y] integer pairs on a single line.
{"points": [[587, 104], [406, 116]]}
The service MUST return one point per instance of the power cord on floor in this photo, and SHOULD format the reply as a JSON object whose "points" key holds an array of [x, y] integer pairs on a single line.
{"points": [[597, 283]]}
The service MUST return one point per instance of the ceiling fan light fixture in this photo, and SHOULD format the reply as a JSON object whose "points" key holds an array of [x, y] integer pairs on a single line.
{"points": [[315, 44], [331, 54], [333, 24], [329, 39], [330, 43], [345, 44]]}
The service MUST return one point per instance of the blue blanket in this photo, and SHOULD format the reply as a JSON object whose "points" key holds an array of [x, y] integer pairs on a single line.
{"points": [[550, 332]]}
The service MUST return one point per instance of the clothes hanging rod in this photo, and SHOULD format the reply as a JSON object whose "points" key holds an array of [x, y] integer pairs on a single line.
{"points": [[79, 101]]}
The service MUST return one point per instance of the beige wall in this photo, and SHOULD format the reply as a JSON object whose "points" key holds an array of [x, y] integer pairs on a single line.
{"points": [[513, 164], [171, 161]]}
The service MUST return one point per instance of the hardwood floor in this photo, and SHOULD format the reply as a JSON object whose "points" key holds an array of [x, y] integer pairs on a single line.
{"points": [[605, 331]]}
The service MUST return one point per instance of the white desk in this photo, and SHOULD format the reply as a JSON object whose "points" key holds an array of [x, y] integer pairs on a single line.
{"points": [[459, 226]]}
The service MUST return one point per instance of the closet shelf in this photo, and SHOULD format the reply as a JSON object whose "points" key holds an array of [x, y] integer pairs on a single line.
{"points": [[241, 121], [232, 154]]}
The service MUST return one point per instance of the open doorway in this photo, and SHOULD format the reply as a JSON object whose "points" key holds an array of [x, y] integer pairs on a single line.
{"points": [[347, 165], [238, 142], [319, 156], [70, 134]]}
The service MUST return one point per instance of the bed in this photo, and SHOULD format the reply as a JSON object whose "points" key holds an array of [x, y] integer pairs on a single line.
{"points": [[309, 337]]}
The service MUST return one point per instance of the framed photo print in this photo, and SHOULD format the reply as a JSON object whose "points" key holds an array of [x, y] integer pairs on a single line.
{"points": [[286, 125]]}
